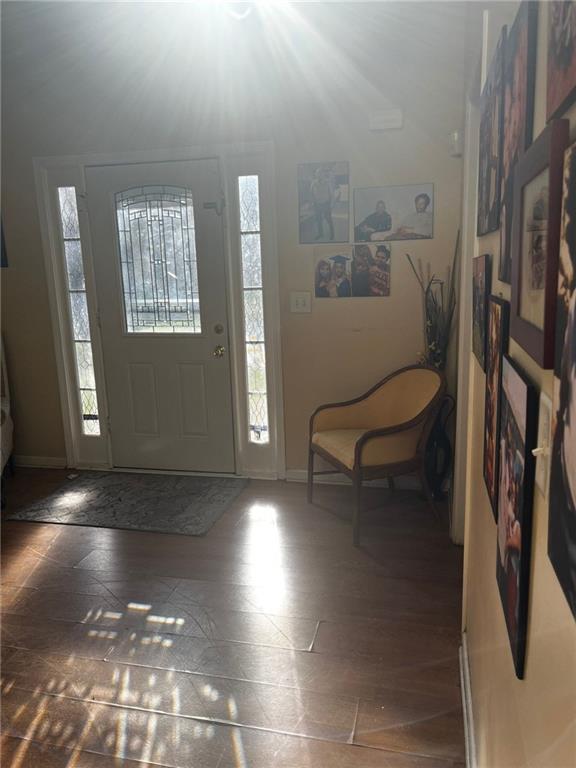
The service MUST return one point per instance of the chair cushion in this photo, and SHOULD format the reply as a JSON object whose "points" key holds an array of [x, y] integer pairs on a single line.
{"points": [[341, 443]]}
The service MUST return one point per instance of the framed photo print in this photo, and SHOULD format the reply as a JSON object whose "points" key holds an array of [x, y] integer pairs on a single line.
{"points": [[535, 240], [371, 270], [562, 494], [324, 202], [517, 439], [519, 77], [490, 156], [332, 272], [561, 85], [481, 280], [394, 213], [496, 346]]}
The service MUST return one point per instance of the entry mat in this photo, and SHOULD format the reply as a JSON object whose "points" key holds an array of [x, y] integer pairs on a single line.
{"points": [[140, 502]]}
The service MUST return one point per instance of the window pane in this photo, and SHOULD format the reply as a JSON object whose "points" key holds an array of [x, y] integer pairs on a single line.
{"points": [[251, 261], [90, 423], [68, 212], [84, 365], [249, 204], [80, 323], [256, 365], [258, 416], [74, 266], [158, 258], [253, 316]]}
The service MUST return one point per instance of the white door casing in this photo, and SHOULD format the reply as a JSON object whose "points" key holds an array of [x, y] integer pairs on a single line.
{"points": [[169, 396]]}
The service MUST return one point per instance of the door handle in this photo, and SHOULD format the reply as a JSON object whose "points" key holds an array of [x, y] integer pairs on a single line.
{"points": [[219, 350]]}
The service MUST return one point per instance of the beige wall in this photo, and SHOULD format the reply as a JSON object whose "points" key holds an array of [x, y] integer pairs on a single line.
{"points": [[530, 722], [81, 78]]}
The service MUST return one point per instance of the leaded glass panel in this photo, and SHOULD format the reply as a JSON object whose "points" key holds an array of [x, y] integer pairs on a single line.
{"points": [[256, 365], [74, 266], [78, 307], [251, 261], [80, 322], [258, 416], [253, 316], [85, 365], [69, 212], [158, 257], [249, 204]]}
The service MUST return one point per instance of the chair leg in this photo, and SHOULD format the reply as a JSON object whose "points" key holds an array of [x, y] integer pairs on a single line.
{"points": [[391, 484], [310, 475], [357, 483], [428, 492]]}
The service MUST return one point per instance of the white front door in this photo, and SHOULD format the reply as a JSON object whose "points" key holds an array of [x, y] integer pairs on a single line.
{"points": [[160, 280]]}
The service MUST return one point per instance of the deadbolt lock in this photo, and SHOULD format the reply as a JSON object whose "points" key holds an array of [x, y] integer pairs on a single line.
{"points": [[219, 328], [219, 351]]}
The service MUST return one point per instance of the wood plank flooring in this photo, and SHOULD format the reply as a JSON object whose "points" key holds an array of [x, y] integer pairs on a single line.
{"points": [[269, 643]]}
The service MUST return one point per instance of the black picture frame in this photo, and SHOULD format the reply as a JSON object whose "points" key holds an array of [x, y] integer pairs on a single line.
{"points": [[562, 494], [542, 162], [518, 84], [490, 141], [496, 346], [481, 282], [561, 73], [518, 430]]}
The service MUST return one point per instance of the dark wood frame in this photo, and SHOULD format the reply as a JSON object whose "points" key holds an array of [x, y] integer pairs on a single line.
{"points": [[570, 97], [546, 152], [494, 82], [525, 518], [528, 9], [503, 348], [359, 473], [486, 258]]}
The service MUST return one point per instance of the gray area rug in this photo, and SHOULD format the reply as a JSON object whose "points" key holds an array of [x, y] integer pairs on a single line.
{"points": [[140, 502]]}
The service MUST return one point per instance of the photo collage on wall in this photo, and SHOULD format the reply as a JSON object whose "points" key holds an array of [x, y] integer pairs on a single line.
{"points": [[534, 208], [361, 267]]}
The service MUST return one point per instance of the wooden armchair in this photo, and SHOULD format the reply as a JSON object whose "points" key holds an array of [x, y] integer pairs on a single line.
{"points": [[382, 433]]}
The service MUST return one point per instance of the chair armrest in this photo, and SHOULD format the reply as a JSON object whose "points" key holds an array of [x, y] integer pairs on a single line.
{"points": [[334, 416]]}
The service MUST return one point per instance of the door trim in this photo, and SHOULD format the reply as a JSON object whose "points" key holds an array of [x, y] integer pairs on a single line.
{"points": [[258, 461]]}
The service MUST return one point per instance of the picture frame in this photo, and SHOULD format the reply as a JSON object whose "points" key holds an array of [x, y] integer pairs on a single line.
{"points": [[395, 212], [371, 267], [562, 486], [515, 499], [490, 140], [481, 281], [323, 202], [332, 272], [496, 347], [518, 85], [535, 242], [561, 72]]}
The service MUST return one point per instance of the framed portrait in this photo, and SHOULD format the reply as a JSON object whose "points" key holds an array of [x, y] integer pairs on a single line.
{"points": [[562, 494], [324, 202], [490, 156], [496, 346], [371, 270], [535, 242], [518, 85], [481, 281], [332, 272], [394, 213], [561, 80], [517, 439]]}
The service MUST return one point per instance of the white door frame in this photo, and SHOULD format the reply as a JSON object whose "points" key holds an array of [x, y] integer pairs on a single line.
{"points": [[267, 461]]}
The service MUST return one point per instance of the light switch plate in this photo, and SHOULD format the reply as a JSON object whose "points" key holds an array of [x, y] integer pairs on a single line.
{"points": [[300, 301], [544, 433]]}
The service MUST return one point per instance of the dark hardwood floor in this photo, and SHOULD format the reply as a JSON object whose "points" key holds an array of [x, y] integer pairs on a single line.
{"points": [[270, 643]]}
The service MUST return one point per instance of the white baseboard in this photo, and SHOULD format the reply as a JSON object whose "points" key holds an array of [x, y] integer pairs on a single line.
{"points": [[469, 735], [47, 462], [405, 482]]}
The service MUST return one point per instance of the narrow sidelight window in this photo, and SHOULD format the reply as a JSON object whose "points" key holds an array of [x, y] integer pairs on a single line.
{"points": [[78, 310], [254, 339]]}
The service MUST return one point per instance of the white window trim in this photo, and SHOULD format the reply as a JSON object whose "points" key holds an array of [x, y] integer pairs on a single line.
{"points": [[252, 460]]}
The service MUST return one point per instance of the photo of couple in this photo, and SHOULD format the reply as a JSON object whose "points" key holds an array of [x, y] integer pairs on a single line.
{"points": [[394, 213]]}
